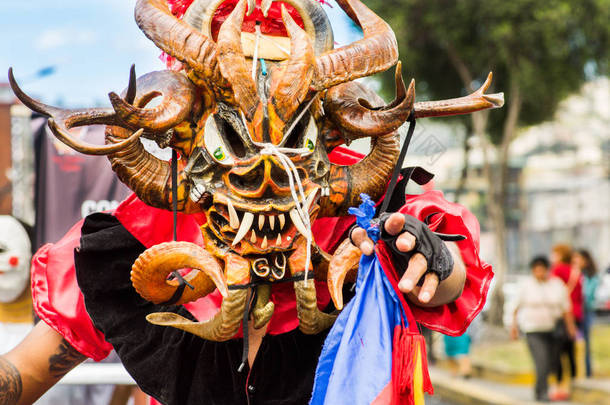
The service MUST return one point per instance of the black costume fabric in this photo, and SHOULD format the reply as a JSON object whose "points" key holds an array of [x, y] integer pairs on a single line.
{"points": [[173, 366]]}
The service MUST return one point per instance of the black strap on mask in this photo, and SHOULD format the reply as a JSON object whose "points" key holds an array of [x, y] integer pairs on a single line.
{"points": [[182, 283], [399, 163]]}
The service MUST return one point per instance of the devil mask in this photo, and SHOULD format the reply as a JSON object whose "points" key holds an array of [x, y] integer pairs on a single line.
{"points": [[261, 100]]}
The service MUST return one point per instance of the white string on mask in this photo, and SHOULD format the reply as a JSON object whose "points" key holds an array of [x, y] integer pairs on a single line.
{"points": [[296, 188]]}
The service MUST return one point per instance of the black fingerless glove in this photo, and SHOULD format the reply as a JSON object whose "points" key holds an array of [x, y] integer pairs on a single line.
{"points": [[440, 261]]}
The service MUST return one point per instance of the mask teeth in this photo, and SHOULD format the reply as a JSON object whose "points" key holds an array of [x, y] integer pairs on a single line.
{"points": [[233, 218], [298, 223], [197, 192], [246, 223]]}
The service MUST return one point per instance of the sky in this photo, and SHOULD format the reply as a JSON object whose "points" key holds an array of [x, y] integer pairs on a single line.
{"points": [[91, 44]]}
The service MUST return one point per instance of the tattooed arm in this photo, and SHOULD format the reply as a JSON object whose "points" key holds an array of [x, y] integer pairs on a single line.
{"points": [[35, 365]]}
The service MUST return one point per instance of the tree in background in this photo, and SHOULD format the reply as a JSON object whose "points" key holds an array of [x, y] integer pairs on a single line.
{"points": [[539, 51]]}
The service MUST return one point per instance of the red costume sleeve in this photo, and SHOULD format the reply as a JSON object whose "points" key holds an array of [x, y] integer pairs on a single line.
{"points": [[58, 300], [453, 318]]}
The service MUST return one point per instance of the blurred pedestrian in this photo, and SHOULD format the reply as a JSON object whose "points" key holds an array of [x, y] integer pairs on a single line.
{"points": [[457, 349], [583, 262], [561, 256], [542, 303]]}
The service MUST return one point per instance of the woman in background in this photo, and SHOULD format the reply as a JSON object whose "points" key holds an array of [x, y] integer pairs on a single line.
{"points": [[583, 262], [561, 256]]}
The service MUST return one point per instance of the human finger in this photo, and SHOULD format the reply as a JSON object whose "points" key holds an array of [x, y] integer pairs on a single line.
{"points": [[394, 224], [361, 240], [405, 242], [416, 268], [429, 287]]}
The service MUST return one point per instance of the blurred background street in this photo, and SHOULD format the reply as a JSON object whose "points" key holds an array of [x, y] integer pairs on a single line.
{"points": [[536, 173]]}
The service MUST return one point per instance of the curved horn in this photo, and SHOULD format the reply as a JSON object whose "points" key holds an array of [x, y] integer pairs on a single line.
{"points": [[376, 52], [356, 116], [233, 64], [315, 21], [177, 38], [311, 320], [344, 263], [149, 272], [264, 307], [146, 175], [369, 176], [61, 121], [178, 96], [222, 327], [225, 324], [474, 102], [297, 71]]}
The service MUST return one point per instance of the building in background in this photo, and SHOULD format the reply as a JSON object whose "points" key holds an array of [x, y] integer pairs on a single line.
{"points": [[70, 185], [566, 176], [6, 101], [559, 178]]}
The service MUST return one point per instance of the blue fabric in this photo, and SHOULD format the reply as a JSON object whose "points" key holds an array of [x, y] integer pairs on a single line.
{"points": [[356, 360], [457, 345], [364, 216], [589, 289]]}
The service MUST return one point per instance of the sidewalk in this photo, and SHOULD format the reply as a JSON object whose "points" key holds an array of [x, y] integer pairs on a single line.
{"points": [[477, 391]]}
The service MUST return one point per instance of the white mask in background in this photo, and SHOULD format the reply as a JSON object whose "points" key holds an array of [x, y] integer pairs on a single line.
{"points": [[15, 257]]}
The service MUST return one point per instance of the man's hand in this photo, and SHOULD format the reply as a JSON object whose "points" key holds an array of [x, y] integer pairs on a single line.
{"points": [[417, 265]]}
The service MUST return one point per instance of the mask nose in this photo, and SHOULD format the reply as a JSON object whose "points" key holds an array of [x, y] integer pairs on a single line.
{"points": [[247, 181], [267, 177]]}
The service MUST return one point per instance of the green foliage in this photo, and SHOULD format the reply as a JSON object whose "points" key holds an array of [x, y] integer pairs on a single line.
{"points": [[548, 48]]}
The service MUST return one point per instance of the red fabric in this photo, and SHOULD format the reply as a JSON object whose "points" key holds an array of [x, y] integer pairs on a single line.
{"points": [[563, 270], [179, 7], [57, 299], [272, 25], [405, 347], [344, 156], [453, 318]]}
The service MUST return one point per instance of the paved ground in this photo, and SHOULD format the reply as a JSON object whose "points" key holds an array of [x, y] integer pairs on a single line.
{"points": [[450, 390], [436, 400]]}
